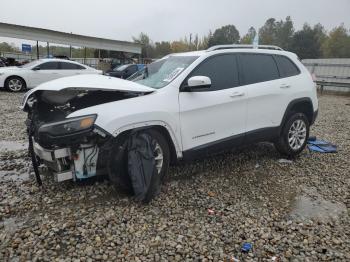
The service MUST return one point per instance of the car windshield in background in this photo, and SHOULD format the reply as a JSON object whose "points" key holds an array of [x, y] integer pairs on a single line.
{"points": [[29, 65], [162, 72], [120, 68]]}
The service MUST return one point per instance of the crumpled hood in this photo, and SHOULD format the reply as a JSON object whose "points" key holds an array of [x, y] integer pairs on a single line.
{"points": [[92, 82]]}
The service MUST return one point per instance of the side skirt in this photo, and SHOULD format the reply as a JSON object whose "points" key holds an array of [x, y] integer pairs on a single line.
{"points": [[260, 135]]}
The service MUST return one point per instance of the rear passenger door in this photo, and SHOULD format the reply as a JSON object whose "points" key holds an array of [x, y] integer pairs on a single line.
{"points": [[216, 114], [266, 93], [70, 69]]}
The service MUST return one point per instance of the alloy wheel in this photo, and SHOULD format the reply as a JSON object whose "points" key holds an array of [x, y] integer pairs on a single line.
{"points": [[297, 134]]}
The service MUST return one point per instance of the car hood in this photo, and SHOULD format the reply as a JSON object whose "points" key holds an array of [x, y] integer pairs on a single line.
{"points": [[89, 82]]}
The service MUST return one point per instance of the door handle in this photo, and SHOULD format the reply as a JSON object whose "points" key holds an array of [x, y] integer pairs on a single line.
{"points": [[285, 86], [236, 94]]}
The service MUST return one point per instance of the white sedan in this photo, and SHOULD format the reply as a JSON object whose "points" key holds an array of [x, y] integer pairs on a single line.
{"points": [[37, 72]]}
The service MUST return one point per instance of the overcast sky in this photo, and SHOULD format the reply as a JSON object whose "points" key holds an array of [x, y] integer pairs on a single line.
{"points": [[166, 19]]}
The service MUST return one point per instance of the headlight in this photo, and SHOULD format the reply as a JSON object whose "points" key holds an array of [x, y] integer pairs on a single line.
{"points": [[69, 126]]}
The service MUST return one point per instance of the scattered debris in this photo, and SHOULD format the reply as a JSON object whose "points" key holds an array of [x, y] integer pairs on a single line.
{"points": [[285, 161], [211, 211], [320, 146], [211, 194], [246, 247]]}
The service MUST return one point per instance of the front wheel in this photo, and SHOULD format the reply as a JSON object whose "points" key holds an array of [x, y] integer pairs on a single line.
{"points": [[294, 135], [138, 163], [15, 84]]}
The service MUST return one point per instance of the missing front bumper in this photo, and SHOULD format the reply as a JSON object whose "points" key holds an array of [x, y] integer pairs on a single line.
{"points": [[68, 165]]}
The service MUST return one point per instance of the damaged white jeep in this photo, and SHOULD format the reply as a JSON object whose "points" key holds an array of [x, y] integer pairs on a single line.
{"points": [[183, 106]]}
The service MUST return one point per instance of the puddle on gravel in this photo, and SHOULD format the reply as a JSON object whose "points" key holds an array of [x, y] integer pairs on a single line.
{"points": [[13, 176], [13, 145], [306, 207]]}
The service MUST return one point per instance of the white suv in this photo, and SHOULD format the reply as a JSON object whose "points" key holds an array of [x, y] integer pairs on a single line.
{"points": [[182, 106]]}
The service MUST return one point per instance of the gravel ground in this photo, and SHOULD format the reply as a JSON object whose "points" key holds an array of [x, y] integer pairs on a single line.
{"points": [[295, 211]]}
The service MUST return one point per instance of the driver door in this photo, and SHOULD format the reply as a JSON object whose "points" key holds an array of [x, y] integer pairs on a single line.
{"points": [[44, 72], [214, 118]]}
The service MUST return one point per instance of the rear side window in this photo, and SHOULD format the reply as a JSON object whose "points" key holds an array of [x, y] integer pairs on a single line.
{"points": [[286, 66], [258, 68], [221, 69], [71, 66], [49, 66]]}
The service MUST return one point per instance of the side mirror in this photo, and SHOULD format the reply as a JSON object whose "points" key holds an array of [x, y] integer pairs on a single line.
{"points": [[36, 68], [197, 82]]}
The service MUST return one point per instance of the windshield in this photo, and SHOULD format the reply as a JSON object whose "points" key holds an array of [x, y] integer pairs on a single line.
{"points": [[163, 71], [31, 64], [120, 68]]}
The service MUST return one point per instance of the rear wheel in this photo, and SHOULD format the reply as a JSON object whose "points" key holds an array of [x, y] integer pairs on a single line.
{"points": [[294, 135], [15, 84]]}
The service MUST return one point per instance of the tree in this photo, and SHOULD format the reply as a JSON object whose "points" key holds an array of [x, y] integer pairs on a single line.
{"points": [[179, 46], [147, 50], [284, 33], [5, 47], [306, 42], [337, 45], [248, 38], [267, 33], [227, 34], [162, 48], [278, 33]]}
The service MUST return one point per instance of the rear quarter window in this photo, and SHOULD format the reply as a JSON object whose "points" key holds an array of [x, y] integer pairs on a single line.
{"points": [[286, 67]]}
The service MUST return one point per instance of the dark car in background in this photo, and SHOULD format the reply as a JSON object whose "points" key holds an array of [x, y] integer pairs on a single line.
{"points": [[2, 62], [125, 71]]}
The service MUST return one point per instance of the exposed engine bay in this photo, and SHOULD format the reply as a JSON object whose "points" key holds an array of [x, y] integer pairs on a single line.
{"points": [[72, 148]]}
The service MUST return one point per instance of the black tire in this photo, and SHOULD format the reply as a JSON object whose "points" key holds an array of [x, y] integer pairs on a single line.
{"points": [[283, 145], [12, 87], [118, 165]]}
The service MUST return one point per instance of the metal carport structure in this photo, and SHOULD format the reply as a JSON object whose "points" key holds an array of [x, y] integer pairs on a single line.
{"points": [[51, 36]]}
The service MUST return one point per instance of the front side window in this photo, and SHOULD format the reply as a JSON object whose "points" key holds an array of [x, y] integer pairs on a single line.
{"points": [[49, 66], [258, 68], [286, 66], [161, 72], [71, 66], [221, 69]]}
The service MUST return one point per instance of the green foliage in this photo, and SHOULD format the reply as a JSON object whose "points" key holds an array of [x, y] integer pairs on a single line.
{"points": [[278, 33], [337, 44], [248, 37], [307, 42], [227, 34], [5, 47]]}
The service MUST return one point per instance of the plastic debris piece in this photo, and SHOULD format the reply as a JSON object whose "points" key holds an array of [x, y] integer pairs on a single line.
{"points": [[246, 247], [211, 211], [285, 161], [320, 146], [211, 194]]}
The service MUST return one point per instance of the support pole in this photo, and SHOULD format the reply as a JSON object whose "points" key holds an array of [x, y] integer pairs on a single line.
{"points": [[48, 49], [70, 51], [84, 55], [37, 50]]}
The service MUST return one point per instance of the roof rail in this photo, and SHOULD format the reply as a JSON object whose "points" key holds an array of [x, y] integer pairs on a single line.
{"points": [[218, 47]]}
